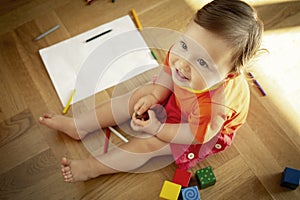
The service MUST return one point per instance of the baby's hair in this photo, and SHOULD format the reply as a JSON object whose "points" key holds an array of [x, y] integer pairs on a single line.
{"points": [[238, 24]]}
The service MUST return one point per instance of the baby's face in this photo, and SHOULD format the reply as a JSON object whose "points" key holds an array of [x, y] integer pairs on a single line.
{"points": [[199, 59]]}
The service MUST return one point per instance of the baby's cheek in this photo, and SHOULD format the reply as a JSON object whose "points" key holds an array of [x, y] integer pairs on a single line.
{"points": [[197, 82], [172, 59]]}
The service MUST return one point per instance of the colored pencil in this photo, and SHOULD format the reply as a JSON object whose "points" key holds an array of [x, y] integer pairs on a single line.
{"points": [[107, 136], [259, 87], [47, 32], [96, 36], [257, 84], [153, 54], [69, 102], [136, 19], [118, 134]]}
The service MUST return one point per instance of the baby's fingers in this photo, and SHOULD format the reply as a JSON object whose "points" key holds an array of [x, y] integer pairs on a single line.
{"points": [[137, 125], [138, 105], [134, 126], [141, 107]]}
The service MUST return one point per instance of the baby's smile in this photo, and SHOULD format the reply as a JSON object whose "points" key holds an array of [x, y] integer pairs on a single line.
{"points": [[181, 75]]}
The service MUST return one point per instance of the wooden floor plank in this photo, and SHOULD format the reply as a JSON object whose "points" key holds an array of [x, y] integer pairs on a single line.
{"points": [[16, 126], [250, 169], [234, 174], [280, 14], [263, 163], [22, 179], [16, 14], [24, 144], [128, 189], [272, 135], [42, 88], [11, 101], [82, 18]]}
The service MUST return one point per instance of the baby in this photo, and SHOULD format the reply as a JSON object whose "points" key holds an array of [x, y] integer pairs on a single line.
{"points": [[194, 108]]}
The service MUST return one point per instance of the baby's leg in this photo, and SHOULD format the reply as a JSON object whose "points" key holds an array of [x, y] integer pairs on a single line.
{"points": [[82, 124], [127, 157], [116, 111], [112, 112], [60, 123], [120, 108], [78, 126]]}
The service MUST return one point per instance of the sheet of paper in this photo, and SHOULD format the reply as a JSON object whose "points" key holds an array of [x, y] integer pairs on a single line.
{"points": [[99, 64]]}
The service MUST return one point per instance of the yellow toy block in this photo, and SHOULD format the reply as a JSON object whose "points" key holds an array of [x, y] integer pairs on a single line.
{"points": [[170, 191]]}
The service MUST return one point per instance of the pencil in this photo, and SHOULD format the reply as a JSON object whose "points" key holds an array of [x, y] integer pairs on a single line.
{"points": [[118, 134], [257, 84], [107, 135], [259, 87], [136, 19], [69, 102], [153, 54], [47, 32], [96, 36]]}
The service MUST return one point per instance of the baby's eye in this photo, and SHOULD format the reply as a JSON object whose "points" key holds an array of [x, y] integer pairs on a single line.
{"points": [[202, 62], [183, 45]]}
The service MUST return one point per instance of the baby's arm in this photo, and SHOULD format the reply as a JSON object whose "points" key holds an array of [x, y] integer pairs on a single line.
{"points": [[171, 133], [177, 133], [162, 89]]}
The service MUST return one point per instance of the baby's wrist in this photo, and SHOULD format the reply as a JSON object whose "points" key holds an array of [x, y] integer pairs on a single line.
{"points": [[159, 129], [156, 100]]}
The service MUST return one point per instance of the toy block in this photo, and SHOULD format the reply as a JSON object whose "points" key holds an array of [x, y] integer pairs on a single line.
{"points": [[205, 177], [290, 178], [190, 193], [182, 177], [170, 191]]}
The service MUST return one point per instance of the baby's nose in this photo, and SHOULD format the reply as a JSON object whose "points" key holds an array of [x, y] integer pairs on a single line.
{"points": [[184, 65]]}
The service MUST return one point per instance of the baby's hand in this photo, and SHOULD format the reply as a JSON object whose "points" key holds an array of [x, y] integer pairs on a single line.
{"points": [[143, 116], [144, 104], [151, 126]]}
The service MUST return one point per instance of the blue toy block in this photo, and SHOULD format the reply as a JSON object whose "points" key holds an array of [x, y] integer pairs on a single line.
{"points": [[205, 177], [290, 178], [190, 193]]}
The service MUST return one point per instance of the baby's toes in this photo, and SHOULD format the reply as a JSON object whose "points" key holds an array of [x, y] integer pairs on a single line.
{"points": [[65, 169], [68, 178], [48, 115]]}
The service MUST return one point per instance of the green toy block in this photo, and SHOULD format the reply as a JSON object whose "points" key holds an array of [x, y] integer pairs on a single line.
{"points": [[170, 191], [205, 177]]}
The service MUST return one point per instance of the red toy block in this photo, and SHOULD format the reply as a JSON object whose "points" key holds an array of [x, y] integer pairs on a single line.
{"points": [[182, 177]]}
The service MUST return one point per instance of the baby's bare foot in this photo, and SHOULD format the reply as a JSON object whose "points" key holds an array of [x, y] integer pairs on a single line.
{"points": [[60, 123], [78, 170]]}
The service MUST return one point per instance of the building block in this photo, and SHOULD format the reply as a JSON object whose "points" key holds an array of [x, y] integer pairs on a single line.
{"points": [[170, 191], [290, 178], [190, 193], [182, 177], [205, 177]]}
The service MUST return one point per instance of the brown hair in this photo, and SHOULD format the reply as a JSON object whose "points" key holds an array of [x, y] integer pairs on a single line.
{"points": [[237, 23]]}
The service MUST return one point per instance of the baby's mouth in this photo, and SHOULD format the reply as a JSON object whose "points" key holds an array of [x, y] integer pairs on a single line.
{"points": [[181, 75]]}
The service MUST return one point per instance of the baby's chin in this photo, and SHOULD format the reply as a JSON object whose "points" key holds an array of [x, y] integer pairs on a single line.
{"points": [[189, 87]]}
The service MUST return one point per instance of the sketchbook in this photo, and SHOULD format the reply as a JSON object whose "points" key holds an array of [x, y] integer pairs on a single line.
{"points": [[90, 67]]}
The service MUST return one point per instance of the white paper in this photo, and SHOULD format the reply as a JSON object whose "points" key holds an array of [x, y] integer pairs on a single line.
{"points": [[99, 64]]}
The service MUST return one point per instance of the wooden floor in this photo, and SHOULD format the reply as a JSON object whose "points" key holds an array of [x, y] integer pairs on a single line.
{"points": [[30, 154]]}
